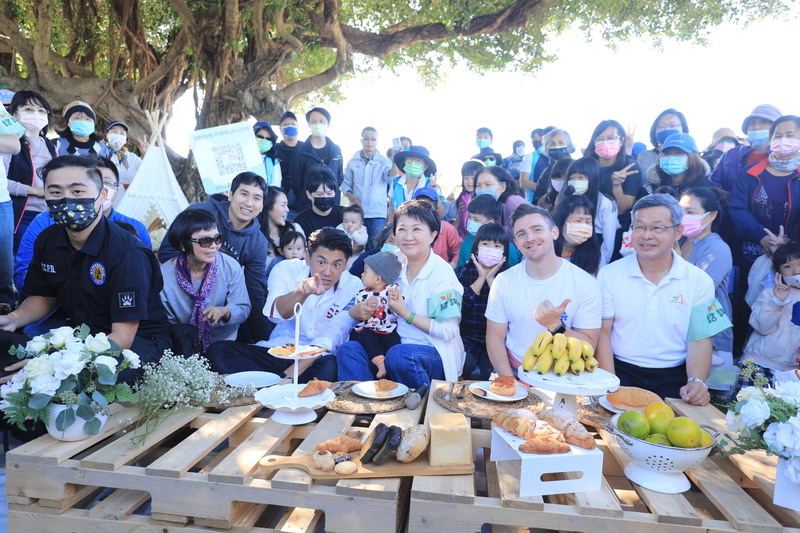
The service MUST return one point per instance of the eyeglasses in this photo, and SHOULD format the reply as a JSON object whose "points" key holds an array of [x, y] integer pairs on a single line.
{"points": [[655, 230], [206, 242], [369, 139], [603, 141], [111, 186], [38, 110]]}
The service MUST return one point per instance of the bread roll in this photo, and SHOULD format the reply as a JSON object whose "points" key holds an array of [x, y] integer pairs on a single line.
{"points": [[413, 443], [504, 386]]}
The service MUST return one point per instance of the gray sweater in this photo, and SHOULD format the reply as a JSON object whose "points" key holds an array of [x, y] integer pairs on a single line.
{"points": [[230, 292], [714, 257]]}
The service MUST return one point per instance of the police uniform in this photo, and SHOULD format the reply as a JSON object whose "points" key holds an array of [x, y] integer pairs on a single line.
{"points": [[112, 278]]}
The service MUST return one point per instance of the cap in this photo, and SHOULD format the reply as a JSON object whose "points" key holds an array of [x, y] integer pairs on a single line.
{"points": [[681, 141], [427, 192], [765, 111], [287, 114], [116, 123], [386, 265], [321, 110], [75, 106]]}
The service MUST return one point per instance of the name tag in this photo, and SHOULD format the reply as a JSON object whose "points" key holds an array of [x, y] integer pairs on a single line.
{"points": [[50, 269]]}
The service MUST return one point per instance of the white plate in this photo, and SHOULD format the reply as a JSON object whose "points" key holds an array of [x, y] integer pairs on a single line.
{"points": [[520, 394], [603, 400], [282, 397], [594, 383], [367, 390], [257, 379], [301, 348]]}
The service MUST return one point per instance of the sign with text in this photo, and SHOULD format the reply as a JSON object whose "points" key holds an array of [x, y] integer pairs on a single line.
{"points": [[223, 152]]}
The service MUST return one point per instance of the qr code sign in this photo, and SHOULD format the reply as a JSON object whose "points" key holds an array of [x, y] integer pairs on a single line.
{"points": [[229, 158]]}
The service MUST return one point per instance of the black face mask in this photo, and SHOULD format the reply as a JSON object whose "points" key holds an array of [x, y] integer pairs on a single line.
{"points": [[558, 153], [537, 145], [75, 214], [323, 204]]}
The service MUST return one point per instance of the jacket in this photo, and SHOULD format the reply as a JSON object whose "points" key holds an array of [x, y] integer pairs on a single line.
{"points": [[745, 224], [775, 336], [369, 182], [291, 176], [20, 169], [249, 247], [729, 167], [308, 158]]}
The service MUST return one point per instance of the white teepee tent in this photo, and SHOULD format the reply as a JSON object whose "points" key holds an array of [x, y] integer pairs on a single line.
{"points": [[154, 197]]}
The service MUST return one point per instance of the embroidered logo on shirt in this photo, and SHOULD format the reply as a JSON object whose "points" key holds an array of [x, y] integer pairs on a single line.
{"points": [[333, 311], [51, 269], [97, 273], [127, 299], [678, 299]]}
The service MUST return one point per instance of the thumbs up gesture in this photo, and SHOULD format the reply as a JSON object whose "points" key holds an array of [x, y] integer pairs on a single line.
{"points": [[549, 315]]}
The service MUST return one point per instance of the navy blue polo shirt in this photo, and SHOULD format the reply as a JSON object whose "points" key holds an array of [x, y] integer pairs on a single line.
{"points": [[113, 278]]}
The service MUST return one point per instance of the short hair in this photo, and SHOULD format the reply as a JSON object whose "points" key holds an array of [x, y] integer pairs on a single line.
{"points": [[22, 98], [187, 223], [491, 231], [407, 139], [422, 212], [320, 175], [104, 162], [380, 239], [80, 161], [485, 205], [537, 131], [354, 208], [471, 167], [369, 128], [485, 130], [781, 120], [331, 238], [248, 178], [552, 133], [526, 209], [784, 254], [660, 200], [289, 236], [503, 176]]}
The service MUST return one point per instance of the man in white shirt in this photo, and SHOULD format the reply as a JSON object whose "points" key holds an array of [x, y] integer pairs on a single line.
{"points": [[326, 291], [557, 295], [659, 311]]}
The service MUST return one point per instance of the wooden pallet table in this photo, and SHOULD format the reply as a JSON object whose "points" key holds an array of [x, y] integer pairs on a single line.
{"points": [[198, 470], [728, 495]]}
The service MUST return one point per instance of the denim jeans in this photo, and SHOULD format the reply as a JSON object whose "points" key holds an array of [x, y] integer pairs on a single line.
{"points": [[6, 253], [374, 227], [409, 364]]}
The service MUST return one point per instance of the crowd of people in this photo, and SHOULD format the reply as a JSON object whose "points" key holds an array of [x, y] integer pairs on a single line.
{"points": [[674, 262]]}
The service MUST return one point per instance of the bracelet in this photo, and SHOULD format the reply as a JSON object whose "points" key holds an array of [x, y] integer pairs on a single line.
{"points": [[698, 380], [410, 318]]}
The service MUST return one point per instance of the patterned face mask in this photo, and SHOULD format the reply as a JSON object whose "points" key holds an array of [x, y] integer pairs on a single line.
{"points": [[75, 214]]}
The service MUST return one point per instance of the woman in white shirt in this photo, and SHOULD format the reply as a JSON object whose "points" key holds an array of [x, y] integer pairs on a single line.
{"points": [[428, 304]]}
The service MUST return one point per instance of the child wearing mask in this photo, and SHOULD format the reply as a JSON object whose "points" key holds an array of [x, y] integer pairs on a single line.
{"points": [[457, 210], [379, 332], [126, 161], [551, 184], [490, 248], [482, 210], [353, 225], [577, 242]]}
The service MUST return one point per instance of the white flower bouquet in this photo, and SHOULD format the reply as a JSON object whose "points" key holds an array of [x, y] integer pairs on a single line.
{"points": [[766, 418], [68, 366]]}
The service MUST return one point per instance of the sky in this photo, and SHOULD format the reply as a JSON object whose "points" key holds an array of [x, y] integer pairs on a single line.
{"points": [[714, 86]]}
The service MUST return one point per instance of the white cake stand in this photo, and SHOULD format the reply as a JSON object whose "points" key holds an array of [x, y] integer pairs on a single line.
{"points": [[569, 386], [289, 408]]}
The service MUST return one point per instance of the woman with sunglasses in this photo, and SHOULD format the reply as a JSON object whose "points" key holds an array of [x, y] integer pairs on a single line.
{"points": [[203, 287]]}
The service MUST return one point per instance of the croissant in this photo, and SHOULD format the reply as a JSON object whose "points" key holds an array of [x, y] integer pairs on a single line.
{"points": [[341, 444], [315, 386], [519, 422], [566, 422]]}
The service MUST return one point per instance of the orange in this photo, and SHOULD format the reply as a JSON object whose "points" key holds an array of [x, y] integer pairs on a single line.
{"points": [[659, 406], [659, 420], [705, 438], [658, 438], [634, 424], [684, 432]]}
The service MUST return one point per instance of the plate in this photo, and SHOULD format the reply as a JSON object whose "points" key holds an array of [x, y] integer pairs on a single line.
{"points": [[603, 400], [520, 394], [282, 397], [367, 390], [301, 348], [257, 379], [598, 382]]}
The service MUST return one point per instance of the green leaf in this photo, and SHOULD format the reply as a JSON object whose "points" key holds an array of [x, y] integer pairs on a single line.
{"points": [[83, 332], [84, 399], [125, 394], [92, 427], [68, 384], [85, 412], [99, 398], [38, 401], [65, 419], [105, 375], [110, 396], [114, 347]]}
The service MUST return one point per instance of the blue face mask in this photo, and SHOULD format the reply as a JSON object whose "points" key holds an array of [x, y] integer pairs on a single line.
{"points": [[758, 137], [81, 128], [290, 131], [673, 164], [662, 135], [483, 143], [473, 227], [491, 191], [390, 248]]}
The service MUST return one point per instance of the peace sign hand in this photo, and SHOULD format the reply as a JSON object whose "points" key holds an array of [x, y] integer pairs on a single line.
{"points": [[549, 315], [770, 242], [780, 290], [619, 177]]}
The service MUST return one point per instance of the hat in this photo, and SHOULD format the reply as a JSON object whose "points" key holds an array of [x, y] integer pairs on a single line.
{"points": [[681, 141], [386, 265], [498, 159], [116, 123], [427, 192], [288, 114], [416, 151], [76, 106], [258, 126], [321, 110], [720, 134], [638, 147], [5, 96], [765, 111]]}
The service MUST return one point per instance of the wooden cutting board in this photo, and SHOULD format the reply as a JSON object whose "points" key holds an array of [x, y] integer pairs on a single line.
{"points": [[391, 468]]}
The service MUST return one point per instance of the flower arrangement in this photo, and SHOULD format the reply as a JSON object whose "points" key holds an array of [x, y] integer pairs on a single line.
{"points": [[68, 366], [766, 418], [176, 383]]}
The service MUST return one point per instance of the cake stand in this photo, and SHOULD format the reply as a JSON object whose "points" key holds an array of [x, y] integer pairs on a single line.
{"points": [[569, 386], [289, 408]]}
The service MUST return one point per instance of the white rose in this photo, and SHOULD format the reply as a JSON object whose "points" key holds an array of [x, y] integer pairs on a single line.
{"points": [[793, 469], [734, 422], [789, 391], [783, 438], [98, 343], [68, 363], [39, 366], [106, 360], [132, 357], [45, 384], [754, 412], [749, 393], [15, 385], [61, 336], [36, 344]]}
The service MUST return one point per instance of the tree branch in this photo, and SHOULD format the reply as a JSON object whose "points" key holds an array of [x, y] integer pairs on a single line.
{"points": [[72, 68], [168, 62], [189, 22], [19, 42], [280, 26], [258, 27]]}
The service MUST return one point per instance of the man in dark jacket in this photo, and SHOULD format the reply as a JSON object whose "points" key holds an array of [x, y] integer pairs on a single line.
{"points": [[288, 151], [241, 239], [318, 149]]}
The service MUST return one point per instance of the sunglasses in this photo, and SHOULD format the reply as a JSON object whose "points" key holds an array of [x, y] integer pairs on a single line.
{"points": [[206, 242]]}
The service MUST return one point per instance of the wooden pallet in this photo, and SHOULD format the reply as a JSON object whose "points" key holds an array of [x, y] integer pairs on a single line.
{"points": [[727, 495], [198, 470]]}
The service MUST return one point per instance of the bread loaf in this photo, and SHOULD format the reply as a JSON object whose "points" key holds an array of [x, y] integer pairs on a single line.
{"points": [[413, 443], [451, 439]]}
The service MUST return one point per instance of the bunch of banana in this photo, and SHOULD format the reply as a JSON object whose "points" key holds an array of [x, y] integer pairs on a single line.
{"points": [[536, 349], [559, 353]]}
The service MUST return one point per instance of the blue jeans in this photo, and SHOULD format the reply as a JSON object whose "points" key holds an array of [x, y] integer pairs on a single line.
{"points": [[6, 253], [374, 227], [409, 364]]}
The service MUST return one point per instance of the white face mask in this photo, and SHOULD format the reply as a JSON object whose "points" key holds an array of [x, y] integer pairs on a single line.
{"points": [[520, 150], [792, 281], [109, 199], [580, 186], [116, 140], [557, 185], [576, 233]]}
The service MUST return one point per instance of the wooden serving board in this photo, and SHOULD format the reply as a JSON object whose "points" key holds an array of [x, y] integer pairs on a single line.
{"points": [[391, 468]]}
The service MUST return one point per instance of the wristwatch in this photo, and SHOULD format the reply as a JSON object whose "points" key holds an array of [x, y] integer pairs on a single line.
{"points": [[560, 329]]}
